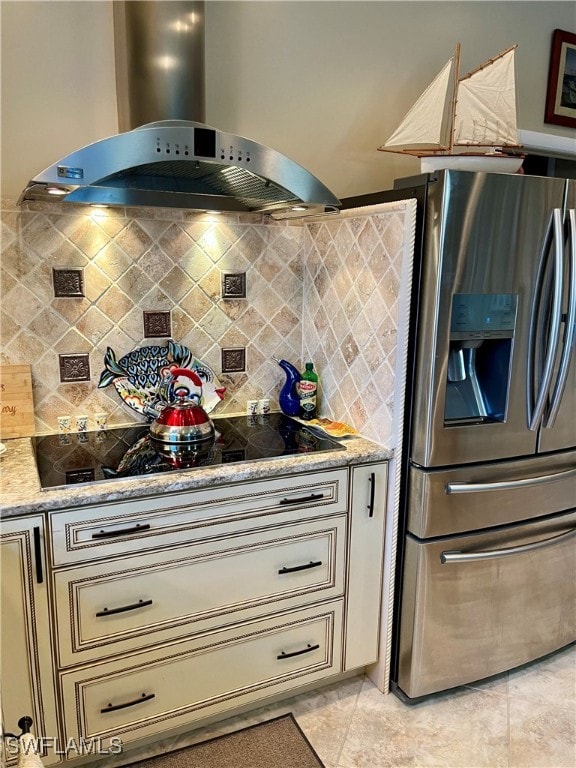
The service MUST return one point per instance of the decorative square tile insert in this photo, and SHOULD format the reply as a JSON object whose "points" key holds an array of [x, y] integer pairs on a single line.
{"points": [[68, 283], [230, 456], [233, 285], [234, 360], [74, 368], [157, 324], [80, 476]]}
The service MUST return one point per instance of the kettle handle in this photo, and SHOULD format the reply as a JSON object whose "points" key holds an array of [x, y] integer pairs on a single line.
{"points": [[189, 374], [165, 391]]}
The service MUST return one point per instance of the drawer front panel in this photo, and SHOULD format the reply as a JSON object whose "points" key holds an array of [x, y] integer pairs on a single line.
{"points": [[477, 605], [141, 525], [475, 497], [116, 607], [149, 693]]}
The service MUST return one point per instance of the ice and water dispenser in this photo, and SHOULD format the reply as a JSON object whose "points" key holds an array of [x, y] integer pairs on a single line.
{"points": [[480, 357]]}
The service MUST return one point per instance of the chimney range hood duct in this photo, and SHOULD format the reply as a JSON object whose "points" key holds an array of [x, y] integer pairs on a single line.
{"points": [[167, 156]]}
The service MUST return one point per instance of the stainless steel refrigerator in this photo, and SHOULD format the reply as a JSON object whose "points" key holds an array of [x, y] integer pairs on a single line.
{"points": [[487, 562]]}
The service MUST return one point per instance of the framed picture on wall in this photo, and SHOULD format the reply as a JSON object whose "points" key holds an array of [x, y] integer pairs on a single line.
{"points": [[561, 93]]}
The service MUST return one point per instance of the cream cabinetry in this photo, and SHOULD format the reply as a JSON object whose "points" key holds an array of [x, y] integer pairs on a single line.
{"points": [[176, 608], [170, 609], [26, 660], [175, 684], [145, 525], [368, 490], [121, 605]]}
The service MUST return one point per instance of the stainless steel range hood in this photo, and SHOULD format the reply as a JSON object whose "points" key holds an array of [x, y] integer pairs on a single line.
{"points": [[167, 156]]}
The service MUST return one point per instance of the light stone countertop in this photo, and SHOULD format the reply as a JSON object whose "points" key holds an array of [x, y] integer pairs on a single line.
{"points": [[20, 491]]}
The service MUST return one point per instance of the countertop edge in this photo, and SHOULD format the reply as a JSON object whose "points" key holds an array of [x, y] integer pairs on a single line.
{"points": [[21, 493]]}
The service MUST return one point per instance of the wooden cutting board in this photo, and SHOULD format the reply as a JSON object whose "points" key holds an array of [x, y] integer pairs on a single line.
{"points": [[16, 402]]}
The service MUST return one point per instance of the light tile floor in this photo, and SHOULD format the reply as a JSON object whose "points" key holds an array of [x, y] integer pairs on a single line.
{"points": [[521, 719]]}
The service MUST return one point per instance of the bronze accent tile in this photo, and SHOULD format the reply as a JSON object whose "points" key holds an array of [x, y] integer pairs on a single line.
{"points": [[80, 476], [233, 285], [234, 360], [68, 283], [156, 324], [74, 368], [238, 454]]}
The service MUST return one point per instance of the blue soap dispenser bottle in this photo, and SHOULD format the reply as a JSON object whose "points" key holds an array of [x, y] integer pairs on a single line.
{"points": [[289, 399]]}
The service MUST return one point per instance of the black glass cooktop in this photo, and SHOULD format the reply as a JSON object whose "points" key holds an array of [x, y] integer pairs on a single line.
{"points": [[89, 457]]}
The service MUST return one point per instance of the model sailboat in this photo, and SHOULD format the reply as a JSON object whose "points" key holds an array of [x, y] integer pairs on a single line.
{"points": [[466, 122]]}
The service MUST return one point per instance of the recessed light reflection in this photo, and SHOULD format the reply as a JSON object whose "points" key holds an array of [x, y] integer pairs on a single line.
{"points": [[56, 191], [182, 26], [167, 62], [98, 212]]}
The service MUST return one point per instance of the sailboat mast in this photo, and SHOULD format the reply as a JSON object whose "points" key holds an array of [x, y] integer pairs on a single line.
{"points": [[454, 97]]}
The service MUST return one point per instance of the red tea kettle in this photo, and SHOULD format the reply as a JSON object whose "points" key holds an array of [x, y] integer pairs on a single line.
{"points": [[182, 420]]}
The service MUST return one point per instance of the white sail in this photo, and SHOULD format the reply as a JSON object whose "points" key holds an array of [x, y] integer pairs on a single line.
{"points": [[486, 105], [424, 125]]}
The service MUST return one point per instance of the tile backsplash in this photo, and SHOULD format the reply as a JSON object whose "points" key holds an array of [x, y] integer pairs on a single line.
{"points": [[137, 261], [355, 274], [311, 292]]}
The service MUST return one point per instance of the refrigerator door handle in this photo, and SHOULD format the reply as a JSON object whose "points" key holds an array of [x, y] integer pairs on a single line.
{"points": [[535, 412], [508, 485], [569, 328], [489, 554], [534, 330]]}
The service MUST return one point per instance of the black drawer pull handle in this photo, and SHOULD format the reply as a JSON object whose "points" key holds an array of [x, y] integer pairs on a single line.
{"points": [[121, 531], [114, 707], [123, 608], [311, 564], [372, 481], [38, 555], [309, 648], [303, 499]]}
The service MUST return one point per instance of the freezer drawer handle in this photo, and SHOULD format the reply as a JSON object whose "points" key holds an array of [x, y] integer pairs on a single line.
{"points": [[309, 648], [303, 499], [138, 528], [115, 707], [470, 557], [124, 608], [508, 485], [311, 564]]}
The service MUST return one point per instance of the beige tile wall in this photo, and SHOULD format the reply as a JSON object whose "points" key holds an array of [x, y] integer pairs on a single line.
{"points": [[354, 271], [136, 260], [336, 280]]}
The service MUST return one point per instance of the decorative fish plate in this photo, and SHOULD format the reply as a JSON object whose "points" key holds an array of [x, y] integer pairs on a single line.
{"points": [[137, 376]]}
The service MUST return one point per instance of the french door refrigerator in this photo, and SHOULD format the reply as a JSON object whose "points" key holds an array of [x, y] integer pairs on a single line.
{"points": [[487, 568]]}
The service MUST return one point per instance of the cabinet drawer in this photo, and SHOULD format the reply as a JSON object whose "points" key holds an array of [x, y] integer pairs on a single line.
{"points": [[148, 693], [116, 607], [140, 525]]}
